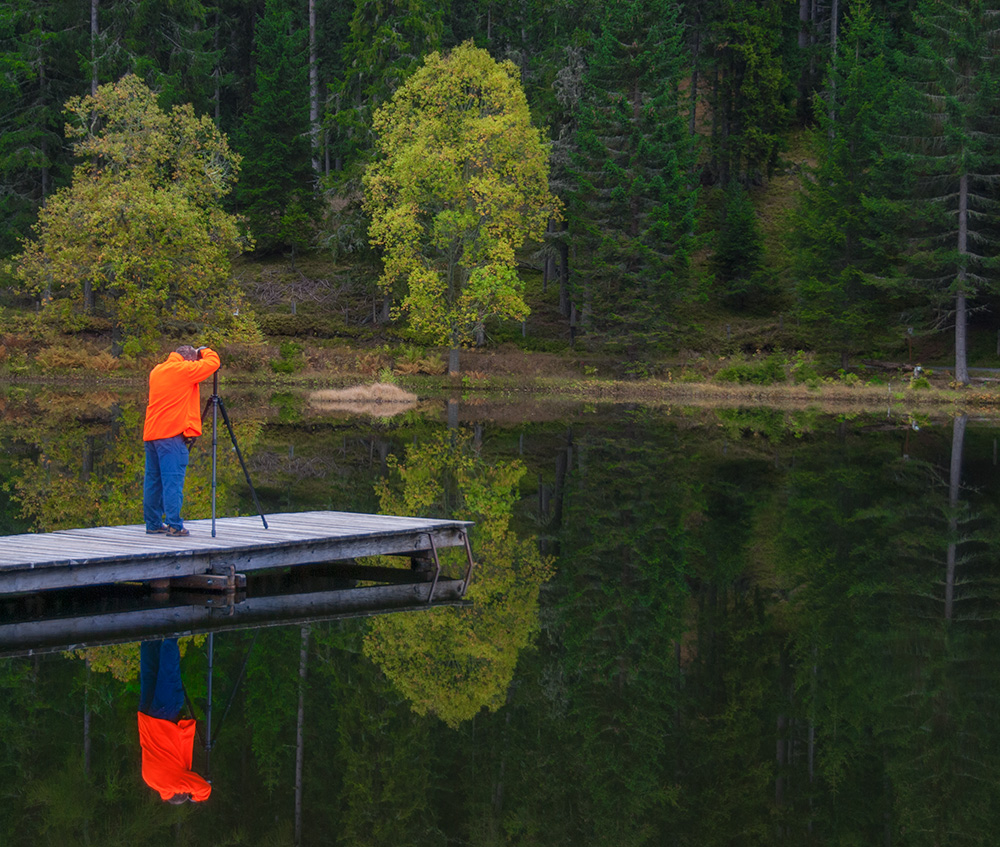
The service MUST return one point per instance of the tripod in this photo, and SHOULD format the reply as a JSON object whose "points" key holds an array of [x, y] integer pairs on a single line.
{"points": [[216, 405]]}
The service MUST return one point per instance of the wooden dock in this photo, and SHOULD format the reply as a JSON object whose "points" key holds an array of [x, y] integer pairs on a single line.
{"points": [[102, 555]]}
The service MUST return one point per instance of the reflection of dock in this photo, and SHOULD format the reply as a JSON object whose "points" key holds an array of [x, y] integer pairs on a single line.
{"points": [[89, 617], [101, 555]]}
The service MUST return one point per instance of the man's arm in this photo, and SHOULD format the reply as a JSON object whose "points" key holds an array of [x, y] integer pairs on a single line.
{"points": [[208, 363]]}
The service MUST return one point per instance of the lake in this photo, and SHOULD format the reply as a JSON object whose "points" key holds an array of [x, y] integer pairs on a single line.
{"points": [[688, 626]]}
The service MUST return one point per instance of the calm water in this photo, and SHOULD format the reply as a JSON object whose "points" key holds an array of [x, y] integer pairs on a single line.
{"points": [[689, 628]]}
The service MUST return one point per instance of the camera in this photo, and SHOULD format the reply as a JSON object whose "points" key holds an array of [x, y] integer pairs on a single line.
{"points": [[198, 350]]}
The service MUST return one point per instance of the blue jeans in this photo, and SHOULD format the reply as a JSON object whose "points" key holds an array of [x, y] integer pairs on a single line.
{"points": [[161, 692], [163, 495]]}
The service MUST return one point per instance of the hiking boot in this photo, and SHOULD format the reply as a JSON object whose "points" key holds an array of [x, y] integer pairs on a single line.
{"points": [[163, 529], [173, 532]]}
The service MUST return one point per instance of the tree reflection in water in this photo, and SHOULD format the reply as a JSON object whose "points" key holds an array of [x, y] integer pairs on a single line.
{"points": [[760, 627]]}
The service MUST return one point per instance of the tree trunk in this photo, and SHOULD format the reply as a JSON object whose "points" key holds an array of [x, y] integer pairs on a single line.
{"points": [[43, 145], [299, 732], [695, 52], [453, 360], [217, 73], [93, 46], [834, 14], [954, 491], [564, 304], [313, 91], [86, 718], [803, 42], [961, 318], [549, 268]]}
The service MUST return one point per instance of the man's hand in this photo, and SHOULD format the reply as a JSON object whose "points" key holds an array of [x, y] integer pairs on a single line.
{"points": [[198, 350]]}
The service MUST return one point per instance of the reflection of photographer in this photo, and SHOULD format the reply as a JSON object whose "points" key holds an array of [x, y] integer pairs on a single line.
{"points": [[173, 420], [167, 741]]}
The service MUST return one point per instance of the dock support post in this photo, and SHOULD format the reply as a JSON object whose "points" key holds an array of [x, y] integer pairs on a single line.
{"points": [[468, 570], [437, 568]]}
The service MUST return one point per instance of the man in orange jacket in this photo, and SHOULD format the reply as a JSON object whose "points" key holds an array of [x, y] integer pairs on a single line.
{"points": [[167, 741], [173, 415]]}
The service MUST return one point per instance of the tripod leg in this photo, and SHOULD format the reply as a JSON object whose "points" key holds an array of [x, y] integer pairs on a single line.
{"points": [[239, 455]]}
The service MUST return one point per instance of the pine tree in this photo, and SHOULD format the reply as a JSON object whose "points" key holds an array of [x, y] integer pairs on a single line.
{"points": [[632, 209], [951, 132], [274, 138], [834, 261], [749, 83], [387, 41], [38, 46]]}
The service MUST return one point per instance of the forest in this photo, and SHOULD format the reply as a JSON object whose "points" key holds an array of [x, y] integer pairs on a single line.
{"points": [[826, 167]]}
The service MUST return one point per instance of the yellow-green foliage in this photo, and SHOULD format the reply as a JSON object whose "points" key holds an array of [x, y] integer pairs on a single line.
{"points": [[79, 480], [461, 181], [141, 225], [122, 660], [454, 662]]}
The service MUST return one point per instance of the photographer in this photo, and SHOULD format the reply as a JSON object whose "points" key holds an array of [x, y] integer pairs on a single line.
{"points": [[173, 421]]}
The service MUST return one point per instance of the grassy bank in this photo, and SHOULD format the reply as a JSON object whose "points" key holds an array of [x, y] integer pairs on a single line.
{"points": [[765, 379]]}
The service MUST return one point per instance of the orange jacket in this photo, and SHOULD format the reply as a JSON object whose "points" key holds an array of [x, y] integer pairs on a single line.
{"points": [[174, 398], [166, 758]]}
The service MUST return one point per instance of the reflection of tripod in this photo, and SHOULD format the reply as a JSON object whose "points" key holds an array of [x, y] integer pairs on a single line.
{"points": [[216, 404]]}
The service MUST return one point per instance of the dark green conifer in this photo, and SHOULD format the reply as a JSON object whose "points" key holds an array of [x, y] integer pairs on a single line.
{"points": [[835, 264], [950, 131], [632, 208], [277, 173]]}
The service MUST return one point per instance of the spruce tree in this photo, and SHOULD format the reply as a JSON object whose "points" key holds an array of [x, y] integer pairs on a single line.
{"points": [[632, 208], [39, 42], [387, 41], [835, 265], [274, 138], [739, 249], [749, 88], [951, 133]]}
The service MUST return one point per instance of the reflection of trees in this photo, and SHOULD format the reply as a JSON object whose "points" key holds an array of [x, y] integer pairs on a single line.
{"points": [[894, 642], [945, 744], [744, 645], [90, 474], [621, 590], [453, 662]]}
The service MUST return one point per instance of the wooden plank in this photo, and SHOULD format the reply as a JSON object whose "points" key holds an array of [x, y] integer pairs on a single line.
{"points": [[99, 555], [59, 548]]}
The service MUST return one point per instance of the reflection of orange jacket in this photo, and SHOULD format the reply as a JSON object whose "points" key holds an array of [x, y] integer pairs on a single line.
{"points": [[174, 407], [166, 758]]}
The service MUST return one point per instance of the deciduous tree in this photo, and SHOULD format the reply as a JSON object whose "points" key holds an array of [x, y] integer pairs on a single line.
{"points": [[141, 225], [460, 183], [454, 662]]}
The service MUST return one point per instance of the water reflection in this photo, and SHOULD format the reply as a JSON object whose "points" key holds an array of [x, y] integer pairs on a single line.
{"points": [[166, 738], [758, 627]]}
